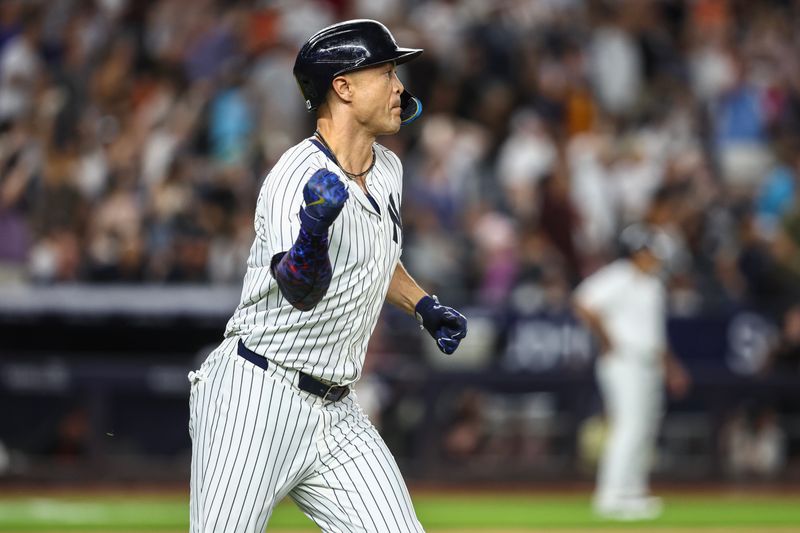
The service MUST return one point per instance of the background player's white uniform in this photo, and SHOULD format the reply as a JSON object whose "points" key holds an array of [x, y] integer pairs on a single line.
{"points": [[256, 437], [631, 305]]}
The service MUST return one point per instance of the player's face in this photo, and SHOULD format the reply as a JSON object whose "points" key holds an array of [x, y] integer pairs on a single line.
{"points": [[648, 261], [376, 98]]}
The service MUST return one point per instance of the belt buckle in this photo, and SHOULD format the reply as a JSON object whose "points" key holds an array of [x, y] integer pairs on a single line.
{"points": [[333, 397]]}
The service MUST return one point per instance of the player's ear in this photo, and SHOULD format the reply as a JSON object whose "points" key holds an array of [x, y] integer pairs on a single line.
{"points": [[342, 87]]}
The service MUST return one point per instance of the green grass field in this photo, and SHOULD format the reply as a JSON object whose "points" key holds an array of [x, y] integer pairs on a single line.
{"points": [[438, 512]]}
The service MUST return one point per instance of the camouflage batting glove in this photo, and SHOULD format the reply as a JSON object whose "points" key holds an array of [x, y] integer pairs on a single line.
{"points": [[325, 195]]}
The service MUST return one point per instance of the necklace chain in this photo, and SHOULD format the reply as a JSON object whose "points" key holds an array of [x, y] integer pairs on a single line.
{"points": [[350, 175]]}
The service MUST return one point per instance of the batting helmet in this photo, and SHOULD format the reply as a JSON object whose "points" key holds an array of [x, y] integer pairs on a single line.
{"points": [[641, 236], [345, 47]]}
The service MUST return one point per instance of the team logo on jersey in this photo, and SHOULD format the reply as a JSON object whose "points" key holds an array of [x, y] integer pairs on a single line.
{"points": [[394, 214]]}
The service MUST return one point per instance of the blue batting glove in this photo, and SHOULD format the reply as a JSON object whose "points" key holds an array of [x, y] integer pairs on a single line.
{"points": [[445, 324], [325, 195]]}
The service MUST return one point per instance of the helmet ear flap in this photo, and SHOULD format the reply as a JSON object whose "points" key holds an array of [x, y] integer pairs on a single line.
{"points": [[411, 108], [309, 92]]}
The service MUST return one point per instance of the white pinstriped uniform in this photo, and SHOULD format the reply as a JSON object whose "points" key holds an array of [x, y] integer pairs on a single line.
{"points": [[329, 342], [632, 307], [256, 437]]}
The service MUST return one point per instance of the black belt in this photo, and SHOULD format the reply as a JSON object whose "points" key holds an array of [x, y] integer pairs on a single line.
{"points": [[332, 393]]}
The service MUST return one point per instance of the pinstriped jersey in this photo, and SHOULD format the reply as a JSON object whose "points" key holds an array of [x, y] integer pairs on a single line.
{"points": [[328, 342]]}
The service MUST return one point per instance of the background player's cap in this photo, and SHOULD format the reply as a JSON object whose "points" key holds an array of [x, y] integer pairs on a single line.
{"points": [[641, 236], [345, 47]]}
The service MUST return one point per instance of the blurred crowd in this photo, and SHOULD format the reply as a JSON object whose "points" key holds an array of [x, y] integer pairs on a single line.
{"points": [[134, 135]]}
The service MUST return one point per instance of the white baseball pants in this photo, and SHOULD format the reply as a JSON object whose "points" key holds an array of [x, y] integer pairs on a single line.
{"points": [[633, 397], [257, 438]]}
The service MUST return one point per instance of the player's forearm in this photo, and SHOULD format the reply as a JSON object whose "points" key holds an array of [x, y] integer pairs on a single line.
{"points": [[595, 325], [304, 272], [677, 378], [404, 292], [671, 364]]}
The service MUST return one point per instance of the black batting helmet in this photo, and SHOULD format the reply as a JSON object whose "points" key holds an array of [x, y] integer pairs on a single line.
{"points": [[345, 47]]}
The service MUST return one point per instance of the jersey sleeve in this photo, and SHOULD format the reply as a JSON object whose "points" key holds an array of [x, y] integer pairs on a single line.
{"points": [[597, 292], [277, 223]]}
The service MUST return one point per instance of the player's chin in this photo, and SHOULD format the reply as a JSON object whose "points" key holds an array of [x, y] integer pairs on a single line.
{"points": [[393, 124]]}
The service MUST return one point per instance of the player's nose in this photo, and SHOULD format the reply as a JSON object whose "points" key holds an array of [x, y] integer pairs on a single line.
{"points": [[398, 85]]}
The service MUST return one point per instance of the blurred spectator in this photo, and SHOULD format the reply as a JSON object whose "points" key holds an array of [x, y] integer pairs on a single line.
{"points": [[786, 245], [526, 156], [589, 158], [777, 194], [71, 440], [273, 94], [20, 67], [739, 121], [615, 61], [5, 460], [115, 241], [19, 163], [767, 286], [189, 255], [433, 254], [496, 241], [465, 436], [785, 358], [230, 124], [754, 444]]}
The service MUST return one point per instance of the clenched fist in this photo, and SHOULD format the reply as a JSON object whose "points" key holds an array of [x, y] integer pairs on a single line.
{"points": [[325, 195], [445, 324]]}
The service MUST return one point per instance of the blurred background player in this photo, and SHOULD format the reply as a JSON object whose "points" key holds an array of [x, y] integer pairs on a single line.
{"points": [[624, 304]]}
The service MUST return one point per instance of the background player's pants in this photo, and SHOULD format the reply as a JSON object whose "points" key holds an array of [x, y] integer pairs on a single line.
{"points": [[257, 438], [633, 397]]}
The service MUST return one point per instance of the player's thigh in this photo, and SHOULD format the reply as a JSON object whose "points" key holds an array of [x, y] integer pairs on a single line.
{"points": [[257, 438], [632, 396], [359, 488], [365, 495]]}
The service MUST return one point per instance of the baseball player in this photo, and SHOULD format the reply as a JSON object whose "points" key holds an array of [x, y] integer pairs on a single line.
{"points": [[624, 304], [272, 412]]}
